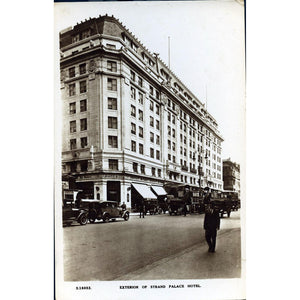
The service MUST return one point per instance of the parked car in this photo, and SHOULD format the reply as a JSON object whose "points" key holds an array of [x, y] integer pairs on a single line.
{"points": [[71, 214], [175, 206], [104, 210]]}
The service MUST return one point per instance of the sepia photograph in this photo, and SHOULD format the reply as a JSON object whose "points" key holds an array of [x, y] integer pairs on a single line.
{"points": [[150, 150]]}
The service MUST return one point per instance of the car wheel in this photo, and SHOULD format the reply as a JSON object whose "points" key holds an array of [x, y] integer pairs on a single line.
{"points": [[106, 219], [92, 216], [126, 216], [83, 220]]}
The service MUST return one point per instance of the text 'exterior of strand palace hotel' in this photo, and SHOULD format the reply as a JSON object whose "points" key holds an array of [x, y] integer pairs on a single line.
{"points": [[128, 121]]}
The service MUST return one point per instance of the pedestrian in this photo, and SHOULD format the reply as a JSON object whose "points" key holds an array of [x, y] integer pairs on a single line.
{"points": [[186, 200], [79, 197], [142, 209], [211, 225], [123, 206]]}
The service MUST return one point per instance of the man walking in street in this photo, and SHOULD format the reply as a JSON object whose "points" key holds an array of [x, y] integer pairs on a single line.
{"points": [[142, 209], [211, 225]]}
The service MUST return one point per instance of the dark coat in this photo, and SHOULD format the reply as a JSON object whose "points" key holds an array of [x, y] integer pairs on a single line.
{"points": [[207, 198], [212, 221]]}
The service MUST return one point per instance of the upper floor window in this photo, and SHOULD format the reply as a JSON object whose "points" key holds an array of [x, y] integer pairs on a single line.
{"points": [[157, 140], [83, 106], [151, 152], [157, 94], [140, 81], [111, 66], [151, 137], [143, 169], [151, 91], [151, 105], [72, 108], [85, 34], [72, 72], [72, 90], [141, 132], [141, 100], [112, 122], [72, 126], [133, 146], [113, 164], [141, 148], [113, 141], [133, 111], [82, 68], [132, 90], [111, 84], [133, 128], [112, 103], [157, 109], [82, 85], [157, 124], [151, 121], [159, 172], [83, 142], [132, 75], [141, 115], [153, 171], [135, 167], [157, 154], [73, 144], [83, 124]]}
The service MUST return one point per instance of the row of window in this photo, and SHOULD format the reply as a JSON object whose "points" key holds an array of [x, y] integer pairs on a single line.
{"points": [[83, 143], [83, 125], [83, 107], [82, 88], [82, 70]]}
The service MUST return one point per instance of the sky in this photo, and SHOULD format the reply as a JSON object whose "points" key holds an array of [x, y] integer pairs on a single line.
{"points": [[206, 51]]}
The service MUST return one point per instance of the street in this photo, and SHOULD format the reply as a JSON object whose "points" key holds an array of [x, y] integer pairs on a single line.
{"points": [[157, 247]]}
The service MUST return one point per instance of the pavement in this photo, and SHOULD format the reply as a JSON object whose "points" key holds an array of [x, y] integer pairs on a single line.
{"points": [[196, 262]]}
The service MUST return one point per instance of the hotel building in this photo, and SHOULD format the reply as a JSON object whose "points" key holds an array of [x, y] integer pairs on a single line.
{"points": [[128, 121], [231, 176]]}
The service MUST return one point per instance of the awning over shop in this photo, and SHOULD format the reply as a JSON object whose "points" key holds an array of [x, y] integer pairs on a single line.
{"points": [[159, 190], [144, 191]]}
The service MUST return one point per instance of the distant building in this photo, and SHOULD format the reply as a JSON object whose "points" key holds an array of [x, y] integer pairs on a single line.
{"points": [[128, 120], [231, 175]]}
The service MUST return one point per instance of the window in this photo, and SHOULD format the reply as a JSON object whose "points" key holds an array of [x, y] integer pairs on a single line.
{"points": [[132, 93], [83, 124], [72, 72], [72, 108], [174, 159], [169, 156], [83, 142], [82, 69], [82, 86], [157, 94], [169, 130], [157, 140], [157, 124], [75, 38], [133, 113], [73, 144], [153, 171], [157, 109], [169, 116], [111, 84], [140, 82], [111, 66], [143, 169], [151, 152], [135, 167], [113, 141], [141, 115], [141, 100], [141, 132], [113, 164], [133, 128], [132, 75], [112, 103], [157, 154], [169, 144], [173, 119], [151, 137], [83, 105], [141, 149], [151, 121], [151, 105], [159, 172], [173, 146], [85, 34], [151, 91], [112, 122], [72, 90], [184, 127], [173, 132], [72, 126], [133, 146]]}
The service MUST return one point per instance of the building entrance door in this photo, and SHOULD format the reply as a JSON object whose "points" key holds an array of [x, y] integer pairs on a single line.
{"points": [[114, 191]]}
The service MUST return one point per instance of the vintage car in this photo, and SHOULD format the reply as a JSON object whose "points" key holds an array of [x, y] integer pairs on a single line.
{"points": [[223, 205], [71, 214], [104, 210], [151, 206], [175, 206]]}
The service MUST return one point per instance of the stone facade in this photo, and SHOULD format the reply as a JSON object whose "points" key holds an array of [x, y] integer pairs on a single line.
{"points": [[128, 118]]}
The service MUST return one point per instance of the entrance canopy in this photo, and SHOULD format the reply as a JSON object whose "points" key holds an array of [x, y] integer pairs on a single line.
{"points": [[144, 191], [159, 190]]}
